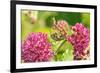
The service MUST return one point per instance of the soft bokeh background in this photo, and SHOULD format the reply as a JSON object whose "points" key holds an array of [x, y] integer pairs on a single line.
{"points": [[42, 21]]}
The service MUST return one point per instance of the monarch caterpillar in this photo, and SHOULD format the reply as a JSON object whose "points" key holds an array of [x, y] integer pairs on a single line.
{"points": [[57, 36]]}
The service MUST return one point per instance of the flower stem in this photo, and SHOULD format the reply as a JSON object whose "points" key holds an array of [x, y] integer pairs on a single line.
{"points": [[59, 49]]}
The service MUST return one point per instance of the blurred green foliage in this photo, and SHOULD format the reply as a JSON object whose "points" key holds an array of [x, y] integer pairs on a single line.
{"points": [[70, 17], [86, 19], [44, 22]]}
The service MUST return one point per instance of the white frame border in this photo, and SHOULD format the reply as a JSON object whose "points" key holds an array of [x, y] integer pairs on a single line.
{"points": [[51, 64]]}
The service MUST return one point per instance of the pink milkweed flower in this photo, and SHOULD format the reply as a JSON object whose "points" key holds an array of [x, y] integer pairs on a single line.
{"points": [[36, 48], [80, 40]]}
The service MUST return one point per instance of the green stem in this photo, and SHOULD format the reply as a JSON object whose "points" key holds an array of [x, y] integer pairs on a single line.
{"points": [[59, 49]]}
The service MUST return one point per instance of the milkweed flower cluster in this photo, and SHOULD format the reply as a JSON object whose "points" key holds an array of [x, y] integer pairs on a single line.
{"points": [[36, 48], [59, 29], [61, 26], [80, 41]]}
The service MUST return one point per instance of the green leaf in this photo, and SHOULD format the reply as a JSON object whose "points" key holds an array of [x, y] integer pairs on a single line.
{"points": [[64, 52]]}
